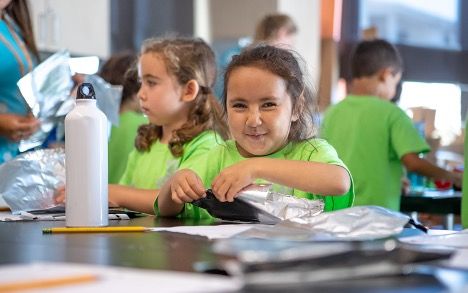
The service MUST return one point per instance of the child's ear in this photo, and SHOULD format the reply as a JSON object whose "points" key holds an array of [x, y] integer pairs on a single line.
{"points": [[190, 90], [384, 74]]}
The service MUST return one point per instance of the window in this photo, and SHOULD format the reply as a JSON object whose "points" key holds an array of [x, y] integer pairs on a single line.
{"points": [[442, 99], [423, 23]]}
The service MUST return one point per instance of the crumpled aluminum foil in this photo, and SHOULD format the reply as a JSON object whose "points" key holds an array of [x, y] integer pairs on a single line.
{"points": [[355, 223], [47, 92], [29, 181], [45, 89], [280, 205]]}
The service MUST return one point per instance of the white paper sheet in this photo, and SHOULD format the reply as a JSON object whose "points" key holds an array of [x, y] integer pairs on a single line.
{"points": [[459, 260], [24, 216], [211, 232], [116, 279], [447, 238]]}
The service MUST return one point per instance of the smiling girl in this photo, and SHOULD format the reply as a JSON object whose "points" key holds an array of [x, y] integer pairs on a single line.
{"points": [[269, 110]]}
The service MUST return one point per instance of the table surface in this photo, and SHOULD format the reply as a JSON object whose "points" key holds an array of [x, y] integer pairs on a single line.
{"points": [[23, 242]]}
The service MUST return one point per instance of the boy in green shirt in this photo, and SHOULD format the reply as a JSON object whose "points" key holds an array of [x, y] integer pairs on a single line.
{"points": [[373, 136]]}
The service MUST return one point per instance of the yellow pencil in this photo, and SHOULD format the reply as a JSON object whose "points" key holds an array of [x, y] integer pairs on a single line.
{"points": [[94, 229], [46, 283]]}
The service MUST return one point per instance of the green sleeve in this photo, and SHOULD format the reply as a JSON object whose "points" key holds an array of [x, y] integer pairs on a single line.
{"points": [[404, 137], [198, 148], [127, 176]]}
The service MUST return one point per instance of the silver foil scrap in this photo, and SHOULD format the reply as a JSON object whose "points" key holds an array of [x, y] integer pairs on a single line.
{"points": [[29, 181]]}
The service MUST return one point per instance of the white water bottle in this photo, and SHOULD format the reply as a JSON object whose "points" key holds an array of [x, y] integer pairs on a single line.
{"points": [[86, 162]]}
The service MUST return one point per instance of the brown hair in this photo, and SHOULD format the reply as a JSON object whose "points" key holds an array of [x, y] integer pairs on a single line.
{"points": [[18, 10], [267, 29], [371, 56], [120, 69], [285, 64], [186, 59]]}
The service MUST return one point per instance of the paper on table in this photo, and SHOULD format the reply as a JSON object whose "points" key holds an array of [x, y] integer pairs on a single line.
{"points": [[459, 260], [24, 216], [447, 238], [211, 232], [116, 279]]}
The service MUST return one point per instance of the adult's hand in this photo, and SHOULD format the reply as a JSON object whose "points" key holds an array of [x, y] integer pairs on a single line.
{"points": [[16, 127]]}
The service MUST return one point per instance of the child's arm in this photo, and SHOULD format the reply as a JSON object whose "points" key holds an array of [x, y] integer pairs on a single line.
{"points": [[414, 163], [140, 200], [135, 199], [313, 177], [184, 186]]}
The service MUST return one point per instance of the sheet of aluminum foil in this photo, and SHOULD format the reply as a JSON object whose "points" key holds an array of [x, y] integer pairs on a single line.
{"points": [[355, 223], [47, 93], [29, 181], [45, 89]]}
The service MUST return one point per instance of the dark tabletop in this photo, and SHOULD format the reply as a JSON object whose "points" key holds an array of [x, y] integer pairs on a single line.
{"points": [[24, 242]]}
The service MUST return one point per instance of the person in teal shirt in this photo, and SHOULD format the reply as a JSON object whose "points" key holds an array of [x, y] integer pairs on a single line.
{"points": [[373, 136], [177, 76], [120, 70], [269, 108], [18, 56]]}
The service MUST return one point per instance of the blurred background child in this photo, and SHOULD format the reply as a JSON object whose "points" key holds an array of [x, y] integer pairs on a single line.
{"points": [[121, 70], [372, 135]]}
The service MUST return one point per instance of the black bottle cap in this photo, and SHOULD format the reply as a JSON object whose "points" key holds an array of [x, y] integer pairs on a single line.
{"points": [[86, 91]]}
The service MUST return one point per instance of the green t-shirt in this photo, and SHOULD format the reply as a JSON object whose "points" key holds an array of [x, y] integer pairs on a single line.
{"points": [[121, 143], [464, 208], [371, 135], [312, 150], [149, 170]]}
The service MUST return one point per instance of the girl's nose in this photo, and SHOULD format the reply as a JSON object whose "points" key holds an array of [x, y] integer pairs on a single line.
{"points": [[254, 118], [141, 94]]}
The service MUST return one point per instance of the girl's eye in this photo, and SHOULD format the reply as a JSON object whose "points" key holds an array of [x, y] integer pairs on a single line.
{"points": [[239, 106], [269, 105], [150, 83]]}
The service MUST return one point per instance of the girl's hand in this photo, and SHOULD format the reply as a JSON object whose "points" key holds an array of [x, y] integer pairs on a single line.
{"points": [[186, 186], [59, 195], [16, 127], [233, 179]]}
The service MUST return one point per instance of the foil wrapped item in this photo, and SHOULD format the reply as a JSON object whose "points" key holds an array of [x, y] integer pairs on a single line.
{"points": [[355, 223], [256, 203], [266, 265], [29, 181], [45, 89], [360, 222], [351, 224]]}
